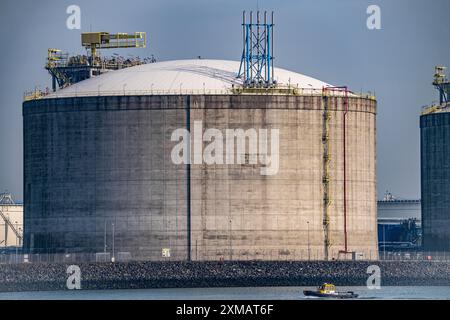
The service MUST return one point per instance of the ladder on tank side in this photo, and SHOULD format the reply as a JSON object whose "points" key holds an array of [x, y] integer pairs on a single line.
{"points": [[326, 173]]}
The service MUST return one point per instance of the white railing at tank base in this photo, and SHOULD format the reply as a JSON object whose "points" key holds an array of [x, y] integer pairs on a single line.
{"points": [[215, 255], [279, 90]]}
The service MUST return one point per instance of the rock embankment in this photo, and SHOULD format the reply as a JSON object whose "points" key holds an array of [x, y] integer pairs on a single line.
{"points": [[128, 275]]}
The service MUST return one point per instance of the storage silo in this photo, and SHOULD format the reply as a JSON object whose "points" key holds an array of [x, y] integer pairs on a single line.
{"points": [[435, 181], [435, 164], [99, 168]]}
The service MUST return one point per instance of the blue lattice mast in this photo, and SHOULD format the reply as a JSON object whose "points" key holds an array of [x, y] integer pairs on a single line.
{"points": [[256, 66]]}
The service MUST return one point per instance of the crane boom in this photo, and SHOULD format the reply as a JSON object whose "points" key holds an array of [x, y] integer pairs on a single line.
{"points": [[66, 70], [105, 40]]}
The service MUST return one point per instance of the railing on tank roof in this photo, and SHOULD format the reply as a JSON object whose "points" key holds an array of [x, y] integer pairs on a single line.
{"points": [[435, 108], [35, 94], [278, 90]]}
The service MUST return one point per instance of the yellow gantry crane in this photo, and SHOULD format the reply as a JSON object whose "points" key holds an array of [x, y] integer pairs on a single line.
{"points": [[439, 75], [442, 84], [104, 40], [66, 70]]}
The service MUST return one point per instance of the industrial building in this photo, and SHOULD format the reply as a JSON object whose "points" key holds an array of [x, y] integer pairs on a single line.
{"points": [[435, 164], [99, 174], [11, 222], [399, 223]]}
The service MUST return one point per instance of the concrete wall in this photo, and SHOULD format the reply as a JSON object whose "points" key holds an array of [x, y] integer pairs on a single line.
{"points": [[103, 160], [435, 174]]}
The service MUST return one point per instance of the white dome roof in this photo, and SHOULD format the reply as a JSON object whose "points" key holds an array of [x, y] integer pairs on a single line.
{"points": [[170, 77]]}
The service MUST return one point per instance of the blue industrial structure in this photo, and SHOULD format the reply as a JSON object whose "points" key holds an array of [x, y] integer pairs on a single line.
{"points": [[256, 66], [399, 223]]}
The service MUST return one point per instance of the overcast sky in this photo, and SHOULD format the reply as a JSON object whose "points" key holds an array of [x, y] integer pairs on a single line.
{"points": [[325, 39]]}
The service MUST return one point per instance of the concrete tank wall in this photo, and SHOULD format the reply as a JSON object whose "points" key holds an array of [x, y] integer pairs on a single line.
{"points": [[435, 180], [91, 162]]}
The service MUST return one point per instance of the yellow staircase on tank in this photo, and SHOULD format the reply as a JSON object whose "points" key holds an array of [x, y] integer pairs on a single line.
{"points": [[326, 172]]}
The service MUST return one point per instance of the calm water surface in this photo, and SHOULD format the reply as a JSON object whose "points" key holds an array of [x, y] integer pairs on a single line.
{"points": [[234, 293]]}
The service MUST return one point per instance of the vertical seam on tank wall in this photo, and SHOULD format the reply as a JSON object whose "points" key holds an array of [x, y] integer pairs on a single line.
{"points": [[188, 180]]}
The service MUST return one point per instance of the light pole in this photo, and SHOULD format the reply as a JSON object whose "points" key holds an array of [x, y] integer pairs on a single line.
{"points": [[113, 259], [104, 240], [384, 241], [17, 239], [309, 249], [231, 250]]}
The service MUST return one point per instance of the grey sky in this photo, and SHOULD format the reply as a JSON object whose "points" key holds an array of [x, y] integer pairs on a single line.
{"points": [[326, 39]]}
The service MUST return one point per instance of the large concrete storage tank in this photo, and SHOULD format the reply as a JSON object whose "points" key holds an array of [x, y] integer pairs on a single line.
{"points": [[435, 178], [97, 160]]}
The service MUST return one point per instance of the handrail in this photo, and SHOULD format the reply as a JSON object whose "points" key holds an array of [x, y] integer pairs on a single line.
{"points": [[279, 90], [435, 108]]}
